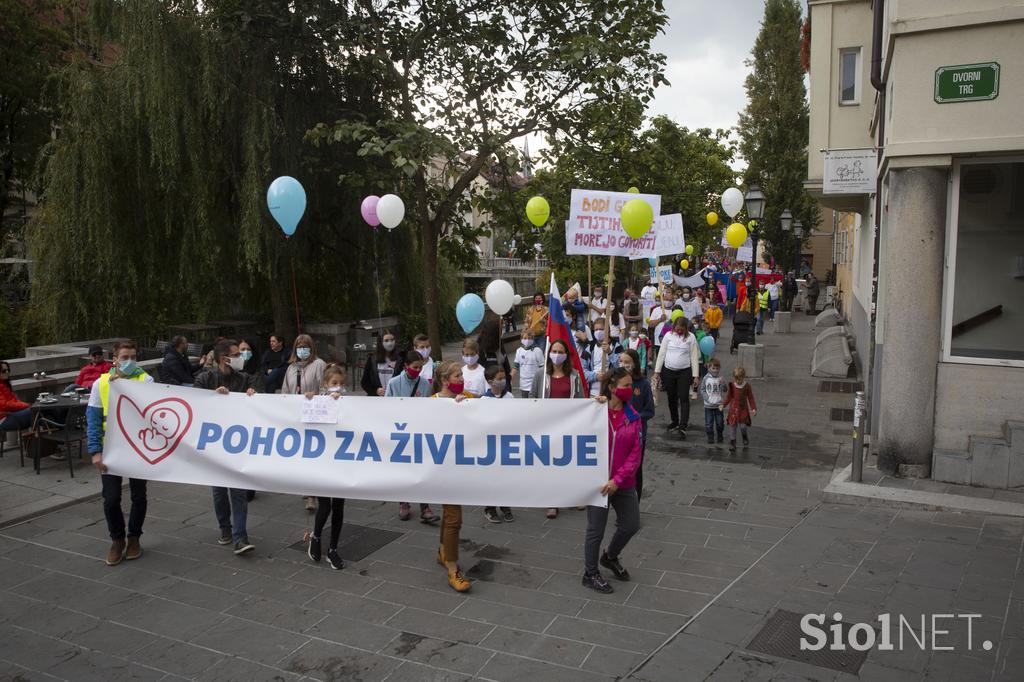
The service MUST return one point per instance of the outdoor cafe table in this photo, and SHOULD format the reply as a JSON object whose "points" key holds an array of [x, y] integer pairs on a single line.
{"points": [[40, 409]]}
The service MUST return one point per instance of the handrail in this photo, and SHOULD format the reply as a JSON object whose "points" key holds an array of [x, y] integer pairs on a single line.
{"points": [[976, 321]]}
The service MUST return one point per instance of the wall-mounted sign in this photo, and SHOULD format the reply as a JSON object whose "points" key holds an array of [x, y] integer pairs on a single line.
{"points": [[850, 171], [967, 82]]}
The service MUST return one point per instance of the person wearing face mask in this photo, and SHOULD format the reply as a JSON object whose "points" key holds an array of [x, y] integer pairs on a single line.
{"points": [[713, 389], [252, 365], [679, 358], [473, 373], [273, 364], [231, 505], [175, 368], [529, 360], [597, 304], [631, 308], [385, 362], [661, 316], [714, 315], [690, 305], [305, 372], [123, 547], [498, 388], [643, 403], [537, 317], [558, 380], [638, 346], [593, 358], [421, 344], [624, 448], [410, 383], [335, 379]]}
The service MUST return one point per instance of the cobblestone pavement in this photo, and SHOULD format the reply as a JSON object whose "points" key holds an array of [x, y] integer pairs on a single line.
{"points": [[727, 542]]}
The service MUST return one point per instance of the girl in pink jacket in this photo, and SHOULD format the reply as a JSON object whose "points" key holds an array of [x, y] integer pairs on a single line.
{"points": [[624, 429]]}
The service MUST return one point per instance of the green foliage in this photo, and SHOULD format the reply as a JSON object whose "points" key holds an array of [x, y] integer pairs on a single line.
{"points": [[774, 126]]}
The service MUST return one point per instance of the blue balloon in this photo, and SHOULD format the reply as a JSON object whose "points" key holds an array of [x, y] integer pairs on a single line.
{"points": [[707, 345], [652, 261], [287, 202], [470, 312]]}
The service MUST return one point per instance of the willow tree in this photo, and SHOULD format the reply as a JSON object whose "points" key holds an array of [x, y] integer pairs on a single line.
{"points": [[462, 80], [155, 184]]}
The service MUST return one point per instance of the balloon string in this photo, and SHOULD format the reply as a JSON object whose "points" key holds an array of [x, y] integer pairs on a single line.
{"points": [[295, 295], [376, 275]]}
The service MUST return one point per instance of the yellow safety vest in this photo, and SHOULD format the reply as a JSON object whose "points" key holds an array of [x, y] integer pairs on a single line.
{"points": [[104, 387], [762, 298]]}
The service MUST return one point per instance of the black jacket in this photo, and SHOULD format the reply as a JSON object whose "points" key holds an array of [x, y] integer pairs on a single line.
{"points": [[371, 379], [175, 369], [236, 382]]}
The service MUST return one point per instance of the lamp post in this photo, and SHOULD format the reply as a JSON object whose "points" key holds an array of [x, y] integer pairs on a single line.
{"points": [[786, 220], [798, 232], [754, 201]]}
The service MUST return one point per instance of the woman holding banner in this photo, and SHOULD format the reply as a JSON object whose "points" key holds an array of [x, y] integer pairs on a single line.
{"points": [[624, 447], [558, 380], [448, 383]]}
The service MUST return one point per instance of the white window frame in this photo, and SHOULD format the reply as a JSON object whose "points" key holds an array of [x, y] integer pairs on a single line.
{"points": [[948, 288], [856, 77]]}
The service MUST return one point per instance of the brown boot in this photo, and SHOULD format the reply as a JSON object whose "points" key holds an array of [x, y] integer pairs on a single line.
{"points": [[134, 549], [116, 553], [458, 581]]}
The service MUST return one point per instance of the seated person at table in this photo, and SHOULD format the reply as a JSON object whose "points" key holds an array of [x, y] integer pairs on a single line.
{"points": [[96, 368], [15, 415], [175, 368]]}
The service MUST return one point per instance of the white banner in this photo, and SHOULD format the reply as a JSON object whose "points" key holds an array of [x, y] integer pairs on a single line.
{"points": [[669, 239], [850, 171], [693, 281], [594, 227], [523, 453]]}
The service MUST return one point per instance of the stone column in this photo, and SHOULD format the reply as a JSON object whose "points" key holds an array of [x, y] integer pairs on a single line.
{"points": [[913, 242]]}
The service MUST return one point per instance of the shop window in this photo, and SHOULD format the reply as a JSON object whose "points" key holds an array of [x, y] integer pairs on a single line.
{"points": [[987, 254]]}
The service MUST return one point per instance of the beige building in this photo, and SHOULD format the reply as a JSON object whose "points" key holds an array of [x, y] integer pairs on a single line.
{"points": [[916, 137]]}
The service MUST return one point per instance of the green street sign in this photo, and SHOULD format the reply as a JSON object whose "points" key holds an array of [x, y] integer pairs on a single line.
{"points": [[967, 82]]}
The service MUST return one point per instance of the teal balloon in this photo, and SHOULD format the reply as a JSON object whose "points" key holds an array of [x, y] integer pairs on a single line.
{"points": [[652, 261], [470, 312], [707, 345], [287, 202]]}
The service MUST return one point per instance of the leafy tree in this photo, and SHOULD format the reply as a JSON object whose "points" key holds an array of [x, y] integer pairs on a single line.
{"points": [[463, 80], [773, 128]]}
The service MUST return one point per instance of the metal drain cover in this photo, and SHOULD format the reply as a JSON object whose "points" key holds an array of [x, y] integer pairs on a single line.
{"points": [[840, 387], [356, 542], [780, 637], [711, 502]]}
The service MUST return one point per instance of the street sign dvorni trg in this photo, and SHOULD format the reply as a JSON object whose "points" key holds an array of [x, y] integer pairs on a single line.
{"points": [[967, 82]]}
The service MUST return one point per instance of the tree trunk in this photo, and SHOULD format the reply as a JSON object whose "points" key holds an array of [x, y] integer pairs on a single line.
{"points": [[431, 288]]}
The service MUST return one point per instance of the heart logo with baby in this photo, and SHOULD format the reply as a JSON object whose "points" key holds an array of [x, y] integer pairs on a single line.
{"points": [[154, 431]]}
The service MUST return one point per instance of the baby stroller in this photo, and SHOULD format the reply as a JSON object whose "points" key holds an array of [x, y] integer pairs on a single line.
{"points": [[742, 330]]}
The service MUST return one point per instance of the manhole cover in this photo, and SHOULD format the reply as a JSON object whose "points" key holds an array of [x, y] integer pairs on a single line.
{"points": [[840, 387], [357, 542], [781, 635], [711, 502], [840, 414]]}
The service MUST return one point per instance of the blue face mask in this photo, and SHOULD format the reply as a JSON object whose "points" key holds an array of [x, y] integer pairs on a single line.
{"points": [[302, 353], [126, 366], [246, 355]]}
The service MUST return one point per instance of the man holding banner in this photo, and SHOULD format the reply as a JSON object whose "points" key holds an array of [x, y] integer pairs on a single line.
{"points": [[122, 547]]}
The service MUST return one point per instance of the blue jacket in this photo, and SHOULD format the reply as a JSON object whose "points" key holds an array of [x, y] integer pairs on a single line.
{"points": [[643, 402]]}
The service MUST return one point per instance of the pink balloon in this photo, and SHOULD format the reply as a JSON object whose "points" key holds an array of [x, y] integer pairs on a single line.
{"points": [[369, 210]]}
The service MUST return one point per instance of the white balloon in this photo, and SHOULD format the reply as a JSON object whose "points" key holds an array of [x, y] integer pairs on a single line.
{"points": [[499, 296], [732, 202], [390, 211], [517, 299]]}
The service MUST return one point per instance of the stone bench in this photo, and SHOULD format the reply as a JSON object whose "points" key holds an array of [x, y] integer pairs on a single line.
{"points": [[832, 357], [828, 318]]}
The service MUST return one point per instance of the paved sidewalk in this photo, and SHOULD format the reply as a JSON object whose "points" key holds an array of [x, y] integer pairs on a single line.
{"points": [[726, 542]]}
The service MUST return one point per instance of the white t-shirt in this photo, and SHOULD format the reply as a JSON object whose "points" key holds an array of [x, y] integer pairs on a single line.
{"points": [[680, 350], [427, 373], [600, 303], [774, 290], [691, 308], [660, 315], [385, 370], [530, 360], [474, 380]]}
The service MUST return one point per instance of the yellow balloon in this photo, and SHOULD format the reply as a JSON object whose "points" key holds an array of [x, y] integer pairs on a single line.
{"points": [[684, 264], [676, 314], [537, 210], [752, 224], [633, 190], [689, 249], [712, 219], [637, 217], [736, 235]]}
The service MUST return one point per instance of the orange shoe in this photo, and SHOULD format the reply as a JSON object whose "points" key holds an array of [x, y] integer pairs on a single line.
{"points": [[458, 581]]}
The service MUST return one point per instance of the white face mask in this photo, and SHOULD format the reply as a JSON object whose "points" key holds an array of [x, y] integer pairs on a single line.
{"points": [[389, 345], [599, 335], [424, 352], [470, 359], [236, 363], [633, 334], [557, 358], [527, 343], [335, 389]]}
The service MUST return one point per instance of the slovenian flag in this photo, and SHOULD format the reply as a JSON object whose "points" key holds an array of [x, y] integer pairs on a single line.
{"points": [[558, 330]]}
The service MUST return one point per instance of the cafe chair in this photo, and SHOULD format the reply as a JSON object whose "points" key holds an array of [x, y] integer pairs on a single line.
{"points": [[71, 430]]}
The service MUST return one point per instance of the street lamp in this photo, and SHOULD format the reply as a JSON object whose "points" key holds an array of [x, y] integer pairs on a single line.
{"points": [[798, 231], [754, 201]]}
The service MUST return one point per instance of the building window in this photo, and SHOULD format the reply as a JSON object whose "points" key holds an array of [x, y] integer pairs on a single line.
{"points": [[985, 290], [849, 75]]}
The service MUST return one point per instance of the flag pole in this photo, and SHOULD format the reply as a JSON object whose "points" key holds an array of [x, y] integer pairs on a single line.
{"points": [[607, 331]]}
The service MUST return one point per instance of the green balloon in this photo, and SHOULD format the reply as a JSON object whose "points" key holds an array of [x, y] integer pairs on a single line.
{"points": [[537, 210], [676, 314], [637, 217]]}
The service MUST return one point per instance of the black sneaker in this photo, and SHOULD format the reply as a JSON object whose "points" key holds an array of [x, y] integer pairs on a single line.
{"points": [[672, 427], [334, 559], [711, 439], [491, 514], [313, 552], [614, 566], [597, 583], [225, 536], [721, 438], [243, 546], [746, 441], [507, 517], [732, 445], [682, 432]]}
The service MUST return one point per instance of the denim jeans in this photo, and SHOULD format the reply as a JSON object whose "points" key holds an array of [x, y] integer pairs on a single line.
{"points": [[714, 421], [17, 421], [112, 506], [762, 314], [627, 523], [773, 305], [231, 505]]}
